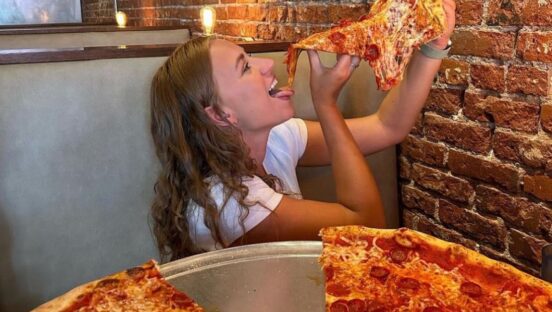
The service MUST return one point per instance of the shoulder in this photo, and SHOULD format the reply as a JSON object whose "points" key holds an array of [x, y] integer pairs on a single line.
{"points": [[290, 136]]}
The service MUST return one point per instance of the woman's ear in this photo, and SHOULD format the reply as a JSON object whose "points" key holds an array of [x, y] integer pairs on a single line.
{"points": [[219, 117]]}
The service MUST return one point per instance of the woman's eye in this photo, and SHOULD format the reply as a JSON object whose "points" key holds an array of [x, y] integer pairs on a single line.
{"points": [[246, 67]]}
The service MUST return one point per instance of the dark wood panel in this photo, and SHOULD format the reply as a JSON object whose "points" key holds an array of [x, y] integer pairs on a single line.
{"points": [[24, 56]]}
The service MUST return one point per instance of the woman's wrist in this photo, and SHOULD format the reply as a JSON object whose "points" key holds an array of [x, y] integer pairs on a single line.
{"points": [[440, 43]]}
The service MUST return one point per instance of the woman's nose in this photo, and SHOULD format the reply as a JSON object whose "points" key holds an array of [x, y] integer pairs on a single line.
{"points": [[265, 65]]}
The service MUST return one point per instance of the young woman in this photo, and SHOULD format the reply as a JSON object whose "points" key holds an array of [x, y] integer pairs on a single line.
{"points": [[229, 147]]}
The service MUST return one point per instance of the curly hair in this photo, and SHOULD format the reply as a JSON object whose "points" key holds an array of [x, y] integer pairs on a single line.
{"points": [[191, 149]]}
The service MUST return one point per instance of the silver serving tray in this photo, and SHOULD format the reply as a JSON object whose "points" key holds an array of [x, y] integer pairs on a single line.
{"points": [[283, 276]]}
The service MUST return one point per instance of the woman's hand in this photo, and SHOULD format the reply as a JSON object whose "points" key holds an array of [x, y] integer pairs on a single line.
{"points": [[326, 83], [450, 8]]}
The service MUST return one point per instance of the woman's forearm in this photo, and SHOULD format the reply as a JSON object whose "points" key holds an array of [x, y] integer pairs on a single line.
{"points": [[400, 108], [356, 187]]}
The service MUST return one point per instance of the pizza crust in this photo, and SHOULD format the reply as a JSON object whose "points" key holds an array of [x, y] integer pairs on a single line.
{"points": [[66, 300]]}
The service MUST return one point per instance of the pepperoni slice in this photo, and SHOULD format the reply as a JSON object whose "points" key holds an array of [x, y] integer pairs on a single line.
{"points": [[339, 306], [329, 272], [108, 283], [337, 38], [379, 272], [372, 52], [471, 289], [337, 290], [356, 305], [408, 283], [345, 22], [363, 17], [136, 273], [398, 255], [181, 300], [374, 306]]}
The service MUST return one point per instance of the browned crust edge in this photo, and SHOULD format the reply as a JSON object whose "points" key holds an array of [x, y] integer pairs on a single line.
{"points": [[469, 256]]}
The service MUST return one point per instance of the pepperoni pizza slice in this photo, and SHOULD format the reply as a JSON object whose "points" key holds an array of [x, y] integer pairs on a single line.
{"points": [[137, 289], [386, 37], [403, 270]]}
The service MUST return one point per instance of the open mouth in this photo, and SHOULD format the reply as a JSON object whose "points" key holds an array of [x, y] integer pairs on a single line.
{"points": [[273, 90]]}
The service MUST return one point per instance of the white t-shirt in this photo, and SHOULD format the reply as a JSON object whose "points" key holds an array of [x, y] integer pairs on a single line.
{"points": [[286, 144]]}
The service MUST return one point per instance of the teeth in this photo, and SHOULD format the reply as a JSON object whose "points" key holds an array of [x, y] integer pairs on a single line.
{"points": [[274, 83]]}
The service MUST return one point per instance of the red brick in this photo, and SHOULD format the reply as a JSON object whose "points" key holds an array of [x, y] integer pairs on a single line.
{"points": [[409, 219], [546, 118], [528, 80], [518, 212], [513, 12], [430, 227], [535, 46], [488, 77], [290, 33], [314, 14], [424, 151], [538, 185], [279, 13], [266, 32], [491, 44], [469, 12], [454, 72], [523, 246], [504, 257], [257, 13], [413, 198], [490, 171], [469, 136], [474, 106], [446, 101], [237, 12], [404, 168], [472, 224], [338, 12], [418, 125], [440, 182], [517, 147], [504, 112]]}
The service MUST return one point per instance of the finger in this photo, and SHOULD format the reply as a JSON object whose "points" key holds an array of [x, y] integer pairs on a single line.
{"points": [[314, 60], [355, 61], [343, 62]]}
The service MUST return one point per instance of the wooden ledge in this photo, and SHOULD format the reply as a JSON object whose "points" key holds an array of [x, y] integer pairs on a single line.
{"points": [[26, 56]]}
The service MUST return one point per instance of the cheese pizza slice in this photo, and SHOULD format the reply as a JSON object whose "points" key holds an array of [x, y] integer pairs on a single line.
{"points": [[386, 37]]}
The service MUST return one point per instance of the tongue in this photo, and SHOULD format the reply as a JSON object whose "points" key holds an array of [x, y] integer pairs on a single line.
{"points": [[278, 93]]}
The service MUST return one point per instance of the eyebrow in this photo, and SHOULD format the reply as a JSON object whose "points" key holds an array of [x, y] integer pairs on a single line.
{"points": [[241, 58]]}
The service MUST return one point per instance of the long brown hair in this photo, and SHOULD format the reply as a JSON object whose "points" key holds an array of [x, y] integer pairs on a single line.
{"points": [[192, 148]]}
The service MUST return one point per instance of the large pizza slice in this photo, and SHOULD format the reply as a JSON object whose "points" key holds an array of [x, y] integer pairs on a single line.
{"points": [[403, 270], [137, 289], [386, 37]]}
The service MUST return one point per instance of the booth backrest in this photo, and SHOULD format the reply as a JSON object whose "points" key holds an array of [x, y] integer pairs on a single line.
{"points": [[93, 39], [77, 169]]}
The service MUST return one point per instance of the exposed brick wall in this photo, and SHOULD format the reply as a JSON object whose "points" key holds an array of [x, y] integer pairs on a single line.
{"points": [[477, 168], [98, 11], [258, 19]]}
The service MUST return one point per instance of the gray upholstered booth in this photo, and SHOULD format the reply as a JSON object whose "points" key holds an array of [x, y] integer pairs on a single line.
{"points": [[77, 169]]}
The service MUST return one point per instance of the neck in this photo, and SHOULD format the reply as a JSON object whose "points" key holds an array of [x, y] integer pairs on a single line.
{"points": [[257, 143]]}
